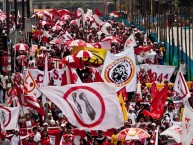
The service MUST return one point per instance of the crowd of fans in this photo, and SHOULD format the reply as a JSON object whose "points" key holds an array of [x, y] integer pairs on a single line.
{"points": [[54, 117]]}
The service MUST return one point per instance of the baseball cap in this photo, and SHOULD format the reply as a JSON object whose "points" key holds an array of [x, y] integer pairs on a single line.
{"points": [[45, 124], [153, 124]]}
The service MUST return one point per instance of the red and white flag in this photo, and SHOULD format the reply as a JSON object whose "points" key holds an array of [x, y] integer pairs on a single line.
{"points": [[187, 126], [30, 94], [45, 37], [120, 69], [72, 76], [81, 15], [104, 44], [97, 20], [86, 106], [115, 14], [130, 42], [98, 13], [181, 87], [144, 53], [174, 131], [9, 117]]}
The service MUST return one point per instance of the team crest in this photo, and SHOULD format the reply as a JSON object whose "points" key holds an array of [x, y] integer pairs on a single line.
{"points": [[120, 71]]}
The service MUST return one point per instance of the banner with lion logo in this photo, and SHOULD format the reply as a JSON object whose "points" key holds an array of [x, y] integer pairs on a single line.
{"points": [[121, 70]]}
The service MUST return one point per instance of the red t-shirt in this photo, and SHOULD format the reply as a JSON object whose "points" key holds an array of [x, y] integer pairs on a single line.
{"points": [[45, 141], [41, 62]]}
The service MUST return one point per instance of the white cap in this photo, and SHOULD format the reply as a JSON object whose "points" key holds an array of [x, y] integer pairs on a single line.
{"points": [[17, 129], [131, 108], [45, 124], [153, 124], [52, 122], [63, 125], [60, 115], [49, 114], [152, 141]]}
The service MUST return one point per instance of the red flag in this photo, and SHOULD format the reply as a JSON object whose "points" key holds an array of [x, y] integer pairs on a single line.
{"points": [[55, 12], [154, 90], [98, 13], [124, 93], [157, 105]]}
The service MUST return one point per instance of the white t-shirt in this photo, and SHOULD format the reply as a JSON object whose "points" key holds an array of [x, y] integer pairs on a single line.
{"points": [[3, 80], [32, 62], [15, 140], [37, 137], [133, 117]]}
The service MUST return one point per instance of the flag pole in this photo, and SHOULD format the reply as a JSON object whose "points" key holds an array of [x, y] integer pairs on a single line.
{"points": [[189, 47], [181, 36], [178, 47]]}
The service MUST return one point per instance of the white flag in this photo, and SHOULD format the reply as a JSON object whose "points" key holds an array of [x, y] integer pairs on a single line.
{"points": [[87, 106], [46, 79], [130, 42], [174, 131], [139, 89], [121, 70], [9, 117], [187, 126], [181, 87]]}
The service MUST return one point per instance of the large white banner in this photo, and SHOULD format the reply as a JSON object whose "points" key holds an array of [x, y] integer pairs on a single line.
{"points": [[57, 75], [120, 69], [187, 126], [86, 106], [158, 73], [9, 117]]}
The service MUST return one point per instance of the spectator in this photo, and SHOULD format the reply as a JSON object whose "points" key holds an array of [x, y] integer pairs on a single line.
{"points": [[15, 140], [45, 139], [4, 140]]}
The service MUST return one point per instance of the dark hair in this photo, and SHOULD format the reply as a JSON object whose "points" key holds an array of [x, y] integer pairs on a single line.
{"points": [[84, 141], [119, 142], [34, 128], [43, 133]]}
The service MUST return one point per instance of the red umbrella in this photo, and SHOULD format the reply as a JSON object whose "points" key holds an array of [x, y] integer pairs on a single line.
{"points": [[84, 54], [73, 23], [77, 42], [43, 13], [65, 17], [57, 28], [37, 33], [132, 134], [44, 23], [21, 46], [64, 12], [112, 38], [60, 23], [68, 59]]}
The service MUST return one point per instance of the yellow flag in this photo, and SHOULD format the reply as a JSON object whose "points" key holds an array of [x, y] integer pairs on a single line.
{"points": [[124, 110], [98, 54]]}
